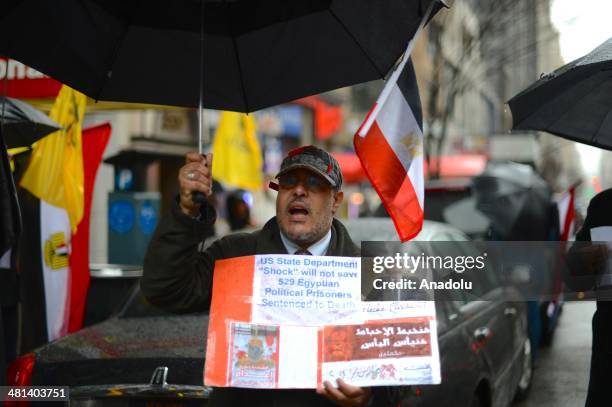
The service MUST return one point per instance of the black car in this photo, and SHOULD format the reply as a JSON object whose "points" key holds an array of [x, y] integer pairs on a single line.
{"points": [[485, 351], [143, 354]]}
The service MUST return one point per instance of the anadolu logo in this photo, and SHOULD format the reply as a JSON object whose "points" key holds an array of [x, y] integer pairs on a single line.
{"points": [[56, 251]]}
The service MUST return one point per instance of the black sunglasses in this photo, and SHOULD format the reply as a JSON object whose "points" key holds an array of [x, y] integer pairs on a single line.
{"points": [[310, 182]]}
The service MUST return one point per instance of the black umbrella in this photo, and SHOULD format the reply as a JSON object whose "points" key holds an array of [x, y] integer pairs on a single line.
{"points": [[240, 55], [516, 200], [256, 53], [22, 123], [10, 215], [574, 102]]}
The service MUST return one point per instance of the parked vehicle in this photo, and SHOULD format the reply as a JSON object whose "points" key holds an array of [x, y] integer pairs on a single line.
{"points": [[485, 350], [123, 359], [485, 353], [452, 201]]}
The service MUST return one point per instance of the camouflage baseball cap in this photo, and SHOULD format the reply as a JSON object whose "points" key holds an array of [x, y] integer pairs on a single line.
{"points": [[314, 159]]}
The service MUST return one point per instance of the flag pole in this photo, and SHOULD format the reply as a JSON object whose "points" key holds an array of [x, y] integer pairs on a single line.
{"points": [[201, 134], [197, 196], [389, 145], [394, 75]]}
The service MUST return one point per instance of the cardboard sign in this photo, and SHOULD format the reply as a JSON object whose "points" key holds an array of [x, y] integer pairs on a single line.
{"points": [[282, 322]]}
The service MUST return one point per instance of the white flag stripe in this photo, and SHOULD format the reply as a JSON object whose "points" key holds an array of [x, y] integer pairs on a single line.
{"points": [[397, 121], [417, 177], [55, 220]]}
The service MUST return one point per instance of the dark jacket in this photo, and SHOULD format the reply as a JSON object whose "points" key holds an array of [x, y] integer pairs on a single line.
{"points": [[599, 213], [179, 278]]}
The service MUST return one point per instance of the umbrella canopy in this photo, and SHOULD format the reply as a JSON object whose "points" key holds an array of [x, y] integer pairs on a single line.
{"points": [[22, 123], [10, 215], [574, 102], [256, 53], [516, 200]]}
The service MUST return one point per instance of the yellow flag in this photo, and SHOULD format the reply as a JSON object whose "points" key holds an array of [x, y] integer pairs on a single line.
{"points": [[55, 172], [237, 157]]}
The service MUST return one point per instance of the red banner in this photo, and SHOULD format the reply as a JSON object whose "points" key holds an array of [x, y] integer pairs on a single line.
{"points": [[25, 82]]}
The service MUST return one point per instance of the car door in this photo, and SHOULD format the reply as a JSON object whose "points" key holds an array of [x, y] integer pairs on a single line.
{"points": [[490, 333], [473, 347], [490, 321], [459, 367]]}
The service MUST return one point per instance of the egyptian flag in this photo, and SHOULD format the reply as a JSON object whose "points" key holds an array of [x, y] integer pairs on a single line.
{"points": [[389, 144], [54, 261]]}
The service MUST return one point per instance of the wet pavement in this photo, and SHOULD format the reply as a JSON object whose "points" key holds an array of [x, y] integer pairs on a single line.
{"points": [[561, 374]]}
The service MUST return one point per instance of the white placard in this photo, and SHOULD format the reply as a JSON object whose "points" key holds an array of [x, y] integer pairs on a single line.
{"points": [[306, 290]]}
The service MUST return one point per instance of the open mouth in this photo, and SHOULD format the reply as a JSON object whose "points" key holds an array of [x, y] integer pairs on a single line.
{"points": [[298, 211]]}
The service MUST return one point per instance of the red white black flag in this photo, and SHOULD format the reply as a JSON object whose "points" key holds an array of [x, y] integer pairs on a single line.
{"points": [[390, 146]]}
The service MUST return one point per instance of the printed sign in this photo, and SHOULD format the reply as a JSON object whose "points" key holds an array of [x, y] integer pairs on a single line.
{"points": [[254, 355], [281, 321], [306, 290], [387, 353]]}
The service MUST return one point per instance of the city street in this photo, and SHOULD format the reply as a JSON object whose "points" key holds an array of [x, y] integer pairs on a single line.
{"points": [[562, 371], [398, 189]]}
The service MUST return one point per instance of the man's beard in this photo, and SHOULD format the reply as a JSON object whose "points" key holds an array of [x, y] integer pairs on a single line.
{"points": [[305, 239]]}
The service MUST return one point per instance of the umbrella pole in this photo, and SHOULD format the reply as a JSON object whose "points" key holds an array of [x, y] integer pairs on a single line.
{"points": [[199, 197], [201, 135]]}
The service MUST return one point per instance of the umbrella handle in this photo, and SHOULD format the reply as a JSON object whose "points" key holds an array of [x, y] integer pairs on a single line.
{"points": [[198, 197]]}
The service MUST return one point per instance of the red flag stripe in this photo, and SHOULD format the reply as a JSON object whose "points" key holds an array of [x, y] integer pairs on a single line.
{"points": [[397, 193], [569, 216], [95, 140]]}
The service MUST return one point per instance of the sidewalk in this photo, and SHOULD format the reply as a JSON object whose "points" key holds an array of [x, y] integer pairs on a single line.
{"points": [[561, 374]]}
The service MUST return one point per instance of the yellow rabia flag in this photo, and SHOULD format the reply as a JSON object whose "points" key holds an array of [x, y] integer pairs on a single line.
{"points": [[237, 159], [55, 172]]}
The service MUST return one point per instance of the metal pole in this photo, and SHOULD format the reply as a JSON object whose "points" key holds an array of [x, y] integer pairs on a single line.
{"points": [[201, 134], [199, 197]]}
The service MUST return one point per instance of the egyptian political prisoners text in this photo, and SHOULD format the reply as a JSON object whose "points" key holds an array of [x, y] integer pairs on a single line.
{"points": [[411, 263]]}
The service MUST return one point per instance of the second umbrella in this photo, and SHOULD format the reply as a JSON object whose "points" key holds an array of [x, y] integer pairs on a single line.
{"points": [[22, 123], [574, 102]]}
